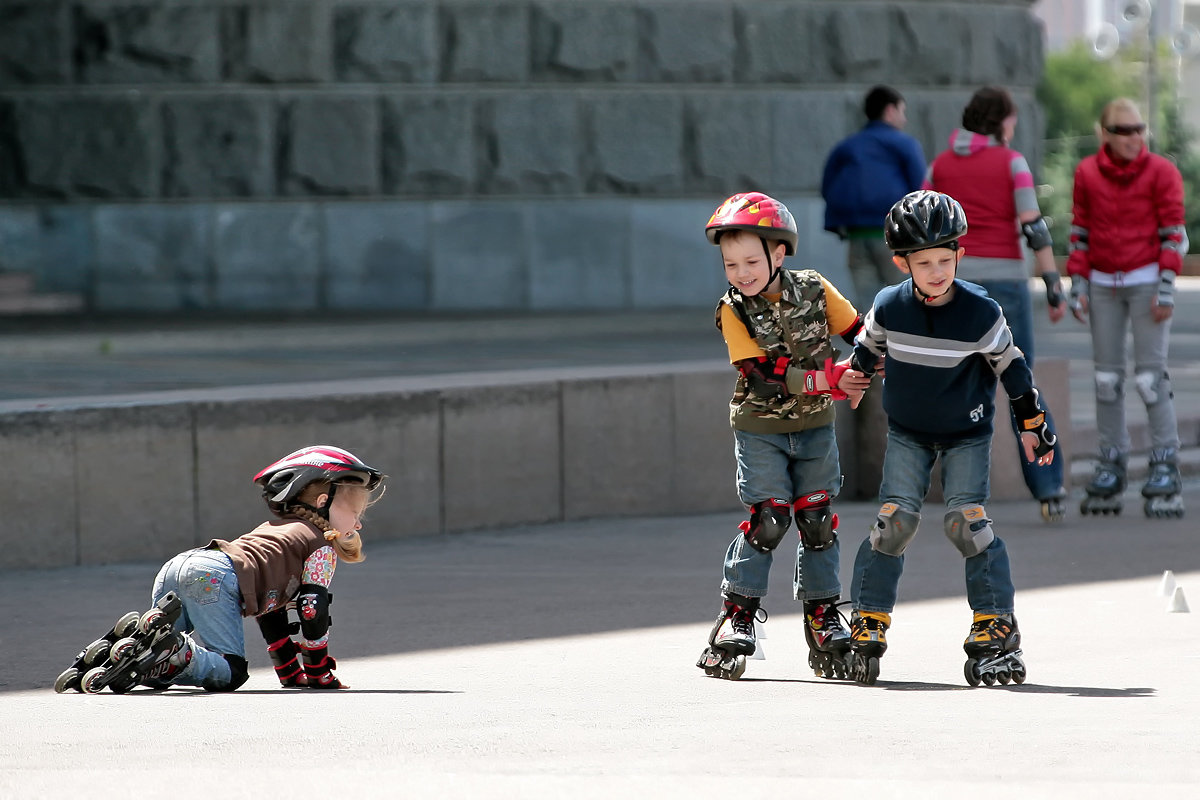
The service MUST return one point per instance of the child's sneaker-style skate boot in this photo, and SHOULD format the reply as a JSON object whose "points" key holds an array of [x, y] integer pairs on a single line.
{"points": [[828, 640], [993, 649], [1163, 485], [868, 641], [175, 657], [731, 638], [1103, 493]]}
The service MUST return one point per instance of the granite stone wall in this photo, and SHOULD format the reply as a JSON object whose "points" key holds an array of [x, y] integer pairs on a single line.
{"points": [[162, 155]]}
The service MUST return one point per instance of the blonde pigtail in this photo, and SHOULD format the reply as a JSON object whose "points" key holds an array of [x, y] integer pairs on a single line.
{"points": [[347, 545]]}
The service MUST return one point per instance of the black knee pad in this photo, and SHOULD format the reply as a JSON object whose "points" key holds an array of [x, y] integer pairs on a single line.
{"points": [[239, 673], [768, 523], [816, 521]]}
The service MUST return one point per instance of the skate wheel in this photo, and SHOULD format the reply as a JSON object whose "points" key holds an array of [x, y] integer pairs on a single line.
{"points": [[121, 649], [866, 670], [1018, 674], [91, 680], [151, 620], [989, 679], [126, 624], [1004, 677], [96, 652], [69, 679], [738, 670], [971, 672]]}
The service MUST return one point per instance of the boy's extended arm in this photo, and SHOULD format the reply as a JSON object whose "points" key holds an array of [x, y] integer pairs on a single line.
{"points": [[1037, 437], [843, 318], [870, 346]]}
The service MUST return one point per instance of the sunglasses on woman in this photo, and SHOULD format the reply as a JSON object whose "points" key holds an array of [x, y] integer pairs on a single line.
{"points": [[1126, 130]]}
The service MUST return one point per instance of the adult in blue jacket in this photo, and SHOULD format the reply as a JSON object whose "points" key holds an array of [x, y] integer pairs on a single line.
{"points": [[865, 175]]}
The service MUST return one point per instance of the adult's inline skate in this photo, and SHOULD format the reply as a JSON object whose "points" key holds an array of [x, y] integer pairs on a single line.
{"points": [[1163, 486], [1054, 507], [828, 641], [732, 638], [1108, 482], [993, 650], [868, 641]]}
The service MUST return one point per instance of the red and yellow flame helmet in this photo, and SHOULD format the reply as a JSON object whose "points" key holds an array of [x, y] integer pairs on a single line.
{"points": [[757, 213]]}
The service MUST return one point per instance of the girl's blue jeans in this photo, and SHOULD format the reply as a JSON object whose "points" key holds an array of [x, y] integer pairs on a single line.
{"points": [[212, 610]]}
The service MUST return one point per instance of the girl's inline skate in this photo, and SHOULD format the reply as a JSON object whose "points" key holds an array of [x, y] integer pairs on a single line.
{"points": [[732, 638], [139, 649], [1163, 486], [993, 650], [868, 641], [1108, 482]]}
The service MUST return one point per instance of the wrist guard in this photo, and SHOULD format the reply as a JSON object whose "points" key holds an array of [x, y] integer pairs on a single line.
{"points": [[1079, 289], [858, 365], [1166, 288], [318, 668], [833, 373], [1031, 418], [766, 377], [1054, 290]]}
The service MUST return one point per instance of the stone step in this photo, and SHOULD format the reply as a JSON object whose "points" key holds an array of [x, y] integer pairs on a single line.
{"points": [[16, 283], [44, 303], [17, 297]]}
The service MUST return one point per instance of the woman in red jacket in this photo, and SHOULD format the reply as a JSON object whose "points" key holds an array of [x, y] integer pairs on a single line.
{"points": [[995, 187], [1127, 246]]}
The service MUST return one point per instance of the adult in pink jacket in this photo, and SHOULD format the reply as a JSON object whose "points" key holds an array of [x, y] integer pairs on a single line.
{"points": [[995, 187], [1127, 246]]}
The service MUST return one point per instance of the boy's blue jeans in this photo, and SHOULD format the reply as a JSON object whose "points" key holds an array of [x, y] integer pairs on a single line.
{"points": [[784, 466], [907, 465], [212, 609]]}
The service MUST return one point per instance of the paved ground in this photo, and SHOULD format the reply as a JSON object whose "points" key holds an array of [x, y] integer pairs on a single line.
{"points": [[557, 661]]}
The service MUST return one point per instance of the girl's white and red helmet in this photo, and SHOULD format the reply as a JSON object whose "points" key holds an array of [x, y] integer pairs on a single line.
{"points": [[283, 481]]}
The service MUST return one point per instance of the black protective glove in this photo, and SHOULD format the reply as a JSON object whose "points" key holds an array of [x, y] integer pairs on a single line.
{"points": [[1031, 418], [1054, 289]]}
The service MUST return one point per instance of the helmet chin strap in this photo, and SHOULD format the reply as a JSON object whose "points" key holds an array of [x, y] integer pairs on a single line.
{"points": [[770, 260], [928, 298]]}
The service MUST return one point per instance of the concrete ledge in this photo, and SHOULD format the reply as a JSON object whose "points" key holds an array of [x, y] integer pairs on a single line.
{"points": [[142, 477]]}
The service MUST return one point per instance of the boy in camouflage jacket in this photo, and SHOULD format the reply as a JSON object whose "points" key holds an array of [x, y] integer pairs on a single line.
{"points": [[777, 324]]}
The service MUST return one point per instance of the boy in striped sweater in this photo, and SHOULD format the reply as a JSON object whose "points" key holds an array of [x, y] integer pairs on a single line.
{"points": [[943, 344]]}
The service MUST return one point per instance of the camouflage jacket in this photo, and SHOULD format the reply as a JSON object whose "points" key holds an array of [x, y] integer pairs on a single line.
{"points": [[796, 328]]}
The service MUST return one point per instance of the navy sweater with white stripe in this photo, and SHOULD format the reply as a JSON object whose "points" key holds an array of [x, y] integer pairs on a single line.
{"points": [[941, 363]]}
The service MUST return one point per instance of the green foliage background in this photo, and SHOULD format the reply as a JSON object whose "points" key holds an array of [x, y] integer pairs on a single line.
{"points": [[1075, 86]]}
